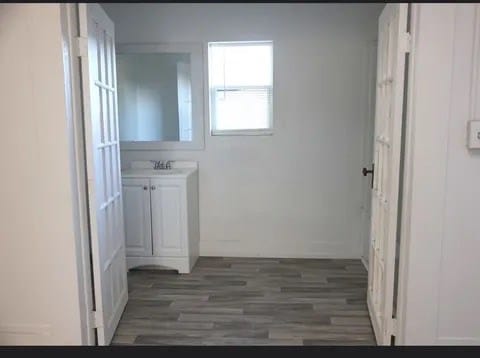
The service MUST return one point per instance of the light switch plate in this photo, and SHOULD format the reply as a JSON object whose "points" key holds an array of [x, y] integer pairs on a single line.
{"points": [[473, 139]]}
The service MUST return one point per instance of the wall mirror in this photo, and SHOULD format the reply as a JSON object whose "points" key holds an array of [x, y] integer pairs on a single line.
{"points": [[160, 96]]}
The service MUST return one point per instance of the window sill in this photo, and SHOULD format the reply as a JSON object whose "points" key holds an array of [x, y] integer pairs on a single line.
{"points": [[242, 132]]}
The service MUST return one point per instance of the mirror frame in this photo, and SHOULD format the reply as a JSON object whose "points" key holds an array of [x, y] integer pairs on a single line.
{"points": [[197, 77]]}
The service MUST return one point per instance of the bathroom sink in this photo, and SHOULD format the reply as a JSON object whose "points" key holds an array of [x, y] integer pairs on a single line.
{"points": [[140, 172], [152, 171]]}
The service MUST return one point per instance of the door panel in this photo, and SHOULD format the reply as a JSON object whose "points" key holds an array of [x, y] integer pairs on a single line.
{"points": [[167, 219], [368, 151], [138, 232], [392, 40], [103, 169]]}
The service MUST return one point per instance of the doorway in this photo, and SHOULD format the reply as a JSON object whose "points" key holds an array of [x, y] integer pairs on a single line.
{"points": [[106, 88]]}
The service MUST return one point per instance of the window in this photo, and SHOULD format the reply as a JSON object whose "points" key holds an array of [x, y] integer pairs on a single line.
{"points": [[240, 87]]}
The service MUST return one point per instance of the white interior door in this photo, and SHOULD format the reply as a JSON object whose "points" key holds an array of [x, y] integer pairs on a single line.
{"points": [[103, 168], [392, 47], [368, 131]]}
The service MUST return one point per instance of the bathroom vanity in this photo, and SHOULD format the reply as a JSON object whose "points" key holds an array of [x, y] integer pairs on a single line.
{"points": [[161, 215]]}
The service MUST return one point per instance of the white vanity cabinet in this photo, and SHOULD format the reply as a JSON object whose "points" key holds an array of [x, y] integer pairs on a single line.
{"points": [[161, 217]]}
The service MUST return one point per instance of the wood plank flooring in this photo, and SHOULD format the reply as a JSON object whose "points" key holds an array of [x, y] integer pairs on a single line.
{"points": [[249, 301]]}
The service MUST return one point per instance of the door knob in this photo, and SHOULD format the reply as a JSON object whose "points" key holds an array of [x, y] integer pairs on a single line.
{"points": [[366, 171], [153, 187], [145, 187]]}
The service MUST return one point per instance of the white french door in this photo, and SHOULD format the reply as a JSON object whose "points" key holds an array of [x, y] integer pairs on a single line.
{"points": [[392, 48], [103, 168]]}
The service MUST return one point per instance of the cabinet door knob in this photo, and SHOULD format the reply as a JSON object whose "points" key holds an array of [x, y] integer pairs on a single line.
{"points": [[145, 187], [153, 187]]}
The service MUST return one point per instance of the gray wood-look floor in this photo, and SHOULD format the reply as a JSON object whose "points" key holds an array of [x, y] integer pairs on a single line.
{"points": [[249, 301]]}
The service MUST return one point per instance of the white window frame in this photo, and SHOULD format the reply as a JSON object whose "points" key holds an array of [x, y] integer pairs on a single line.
{"points": [[212, 91]]}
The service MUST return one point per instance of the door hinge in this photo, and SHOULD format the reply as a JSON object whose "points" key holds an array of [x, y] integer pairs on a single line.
{"points": [[96, 319], [406, 40], [393, 326], [81, 46]]}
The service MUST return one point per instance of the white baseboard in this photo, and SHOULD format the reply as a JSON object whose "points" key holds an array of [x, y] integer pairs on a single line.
{"points": [[301, 251], [458, 341], [25, 334]]}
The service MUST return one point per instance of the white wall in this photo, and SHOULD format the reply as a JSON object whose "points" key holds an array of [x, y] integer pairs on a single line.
{"points": [[40, 295], [441, 235], [297, 193]]}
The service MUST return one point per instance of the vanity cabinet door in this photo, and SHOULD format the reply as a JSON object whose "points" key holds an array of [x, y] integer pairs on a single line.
{"points": [[136, 204], [168, 217]]}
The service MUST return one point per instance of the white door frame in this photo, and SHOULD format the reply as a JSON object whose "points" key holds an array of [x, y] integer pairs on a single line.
{"points": [[406, 210], [70, 30], [406, 214], [407, 183], [72, 86]]}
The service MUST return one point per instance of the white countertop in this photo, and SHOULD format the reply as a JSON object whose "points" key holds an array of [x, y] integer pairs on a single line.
{"points": [[167, 173], [144, 169]]}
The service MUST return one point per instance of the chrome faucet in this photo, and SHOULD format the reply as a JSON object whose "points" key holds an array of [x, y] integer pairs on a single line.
{"points": [[160, 164], [157, 164]]}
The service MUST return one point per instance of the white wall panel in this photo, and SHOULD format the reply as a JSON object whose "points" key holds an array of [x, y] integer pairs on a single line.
{"points": [[40, 294], [440, 290]]}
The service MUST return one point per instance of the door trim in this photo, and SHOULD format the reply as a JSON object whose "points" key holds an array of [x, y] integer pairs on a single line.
{"points": [[73, 94], [407, 179]]}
